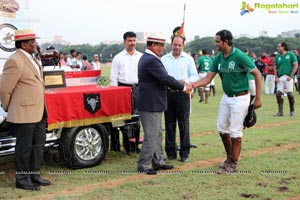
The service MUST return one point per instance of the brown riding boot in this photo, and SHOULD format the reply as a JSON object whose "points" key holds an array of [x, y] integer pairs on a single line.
{"points": [[226, 139], [231, 167], [200, 93], [279, 98], [291, 102], [206, 96]]}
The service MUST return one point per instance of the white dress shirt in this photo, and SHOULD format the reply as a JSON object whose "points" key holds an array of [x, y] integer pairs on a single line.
{"points": [[30, 57], [124, 68]]}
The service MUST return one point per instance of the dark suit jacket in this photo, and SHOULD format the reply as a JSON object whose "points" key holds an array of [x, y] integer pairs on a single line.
{"points": [[22, 90], [153, 83]]}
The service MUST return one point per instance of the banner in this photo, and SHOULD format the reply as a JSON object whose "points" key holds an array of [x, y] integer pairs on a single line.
{"points": [[14, 14]]}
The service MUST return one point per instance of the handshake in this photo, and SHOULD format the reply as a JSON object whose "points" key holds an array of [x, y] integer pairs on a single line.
{"points": [[188, 87]]}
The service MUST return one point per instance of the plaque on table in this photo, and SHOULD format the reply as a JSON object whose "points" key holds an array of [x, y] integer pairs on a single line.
{"points": [[54, 79]]}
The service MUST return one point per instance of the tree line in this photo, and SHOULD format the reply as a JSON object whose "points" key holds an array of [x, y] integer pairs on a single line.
{"points": [[107, 52]]}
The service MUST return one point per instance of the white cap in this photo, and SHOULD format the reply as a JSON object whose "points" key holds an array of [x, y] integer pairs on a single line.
{"points": [[156, 37]]}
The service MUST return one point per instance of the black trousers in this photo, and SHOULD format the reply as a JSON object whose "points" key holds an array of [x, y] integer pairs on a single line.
{"points": [[127, 131], [29, 150], [178, 112]]}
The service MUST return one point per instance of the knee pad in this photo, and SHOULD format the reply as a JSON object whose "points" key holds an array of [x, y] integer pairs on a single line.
{"points": [[207, 88]]}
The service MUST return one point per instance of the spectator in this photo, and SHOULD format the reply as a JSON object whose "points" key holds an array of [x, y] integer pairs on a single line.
{"points": [[270, 77], [204, 63], [96, 63], [124, 72], [72, 61], [86, 63]]}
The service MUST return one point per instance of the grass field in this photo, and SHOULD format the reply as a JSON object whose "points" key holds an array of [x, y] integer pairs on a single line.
{"points": [[269, 165]]}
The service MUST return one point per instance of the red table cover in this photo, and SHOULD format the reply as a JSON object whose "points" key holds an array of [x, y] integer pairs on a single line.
{"points": [[66, 106]]}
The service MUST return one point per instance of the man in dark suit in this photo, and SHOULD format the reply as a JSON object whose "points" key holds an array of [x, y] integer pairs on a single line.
{"points": [[22, 97], [152, 102]]}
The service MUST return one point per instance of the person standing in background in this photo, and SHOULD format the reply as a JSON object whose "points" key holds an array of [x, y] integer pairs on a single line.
{"points": [[96, 63], [124, 72], [204, 63], [297, 75], [72, 61], [270, 77], [286, 66]]}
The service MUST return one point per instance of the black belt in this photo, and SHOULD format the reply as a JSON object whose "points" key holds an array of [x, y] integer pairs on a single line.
{"points": [[174, 91], [128, 85], [238, 94]]}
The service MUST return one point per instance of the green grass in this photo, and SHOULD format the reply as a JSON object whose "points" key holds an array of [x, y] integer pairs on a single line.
{"points": [[268, 175]]}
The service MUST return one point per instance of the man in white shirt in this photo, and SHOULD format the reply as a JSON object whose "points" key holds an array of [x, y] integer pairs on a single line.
{"points": [[124, 72], [96, 63], [182, 67]]}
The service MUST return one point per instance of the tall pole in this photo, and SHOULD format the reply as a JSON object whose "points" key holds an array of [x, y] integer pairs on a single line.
{"points": [[181, 31]]}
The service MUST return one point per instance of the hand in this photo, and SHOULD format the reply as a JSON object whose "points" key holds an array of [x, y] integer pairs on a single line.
{"points": [[188, 88], [277, 80], [289, 78], [257, 102], [192, 93]]}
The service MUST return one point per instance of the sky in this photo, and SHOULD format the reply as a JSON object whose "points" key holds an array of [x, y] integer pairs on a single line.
{"points": [[94, 21]]}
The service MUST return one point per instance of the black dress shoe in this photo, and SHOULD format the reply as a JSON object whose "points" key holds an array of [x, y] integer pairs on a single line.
{"points": [[171, 157], [41, 182], [164, 167], [127, 153], [184, 160], [28, 186], [137, 150], [148, 171]]}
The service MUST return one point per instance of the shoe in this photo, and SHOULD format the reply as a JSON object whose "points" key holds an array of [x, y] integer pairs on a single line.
{"points": [[200, 100], [148, 171], [184, 160], [228, 169], [164, 167], [41, 182], [171, 157], [137, 150], [279, 114], [292, 113], [28, 186], [224, 164], [127, 153]]}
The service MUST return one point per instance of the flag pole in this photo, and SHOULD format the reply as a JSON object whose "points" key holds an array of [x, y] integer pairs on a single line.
{"points": [[181, 32]]}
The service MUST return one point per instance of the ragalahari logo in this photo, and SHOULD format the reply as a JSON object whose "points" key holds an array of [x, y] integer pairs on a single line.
{"points": [[246, 8]]}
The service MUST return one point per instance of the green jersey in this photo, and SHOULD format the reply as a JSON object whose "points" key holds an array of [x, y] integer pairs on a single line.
{"points": [[284, 63], [204, 63], [233, 71], [250, 76]]}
